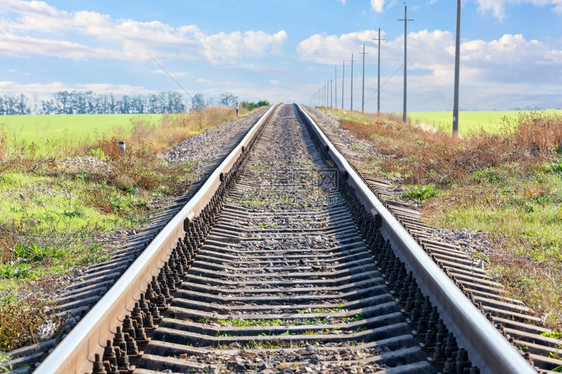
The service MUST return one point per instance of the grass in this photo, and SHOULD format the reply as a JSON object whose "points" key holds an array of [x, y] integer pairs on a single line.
{"points": [[56, 204], [250, 322], [507, 183], [471, 122], [50, 132]]}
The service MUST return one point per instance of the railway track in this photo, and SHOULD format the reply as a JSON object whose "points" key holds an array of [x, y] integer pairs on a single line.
{"points": [[87, 288], [284, 260], [517, 322]]}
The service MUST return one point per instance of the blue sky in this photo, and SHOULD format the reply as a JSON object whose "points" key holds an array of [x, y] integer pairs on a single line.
{"points": [[284, 51]]}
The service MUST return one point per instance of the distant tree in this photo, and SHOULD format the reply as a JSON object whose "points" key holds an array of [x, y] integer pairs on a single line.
{"points": [[198, 102], [124, 105], [87, 102], [174, 102], [252, 105], [63, 102], [138, 104], [22, 105], [10, 105], [228, 99], [47, 107]]}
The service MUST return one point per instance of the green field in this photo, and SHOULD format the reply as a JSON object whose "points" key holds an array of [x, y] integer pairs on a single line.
{"points": [[470, 121], [44, 131]]}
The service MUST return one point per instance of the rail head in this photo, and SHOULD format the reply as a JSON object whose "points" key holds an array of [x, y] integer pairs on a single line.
{"points": [[75, 353], [486, 346]]}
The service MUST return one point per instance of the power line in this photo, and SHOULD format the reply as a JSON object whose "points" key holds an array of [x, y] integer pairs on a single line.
{"points": [[387, 79], [167, 72], [204, 110]]}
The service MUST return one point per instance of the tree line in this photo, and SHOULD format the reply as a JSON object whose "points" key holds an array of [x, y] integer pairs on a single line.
{"points": [[87, 102]]}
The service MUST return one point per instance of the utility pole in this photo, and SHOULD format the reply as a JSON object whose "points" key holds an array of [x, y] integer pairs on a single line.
{"points": [[379, 75], [457, 72], [336, 86], [351, 103], [331, 96], [363, 84], [405, 20], [342, 82]]}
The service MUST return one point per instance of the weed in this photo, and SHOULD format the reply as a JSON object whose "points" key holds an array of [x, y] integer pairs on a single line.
{"points": [[555, 167], [359, 329], [4, 358], [11, 270], [308, 310], [260, 167], [20, 320], [555, 334], [97, 153], [33, 253], [489, 175], [420, 193], [225, 334], [357, 147]]}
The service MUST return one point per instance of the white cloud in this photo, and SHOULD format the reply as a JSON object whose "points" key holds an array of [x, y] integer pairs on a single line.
{"points": [[331, 49], [223, 47], [377, 5], [33, 15], [498, 6], [175, 75], [497, 73], [100, 36], [15, 45], [44, 90]]}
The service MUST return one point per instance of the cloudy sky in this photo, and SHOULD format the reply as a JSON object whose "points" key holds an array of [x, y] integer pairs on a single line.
{"points": [[285, 50]]}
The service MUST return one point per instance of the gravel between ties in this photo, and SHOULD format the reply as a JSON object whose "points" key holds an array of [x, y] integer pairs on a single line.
{"points": [[281, 234], [208, 146]]}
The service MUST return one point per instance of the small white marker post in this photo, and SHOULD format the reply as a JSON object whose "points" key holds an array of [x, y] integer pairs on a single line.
{"points": [[122, 147]]}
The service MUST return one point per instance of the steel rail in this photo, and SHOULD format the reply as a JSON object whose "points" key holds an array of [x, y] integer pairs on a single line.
{"points": [[486, 346], [76, 352]]}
